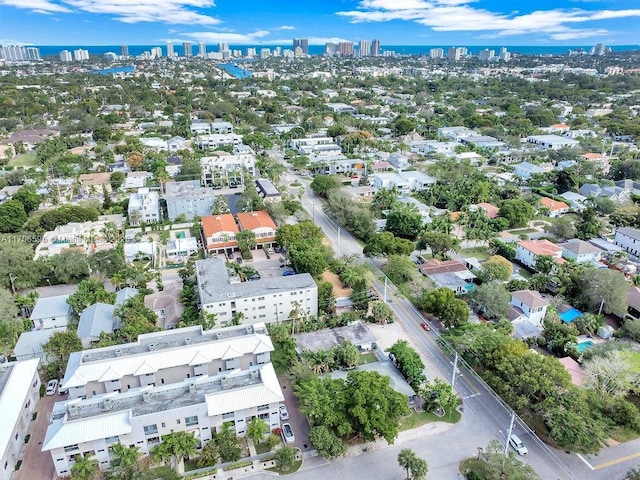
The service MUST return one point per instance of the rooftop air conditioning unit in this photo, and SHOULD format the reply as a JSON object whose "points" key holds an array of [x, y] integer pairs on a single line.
{"points": [[107, 404], [255, 374], [118, 352], [218, 335], [187, 341], [249, 329], [152, 347], [192, 388], [73, 409], [146, 397]]}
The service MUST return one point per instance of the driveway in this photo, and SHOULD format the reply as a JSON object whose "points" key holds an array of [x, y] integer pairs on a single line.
{"points": [[267, 268], [298, 422], [35, 463]]}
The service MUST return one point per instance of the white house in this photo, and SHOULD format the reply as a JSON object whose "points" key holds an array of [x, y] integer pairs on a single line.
{"points": [[51, 312], [528, 251], [390, 180], [629, 239], [180, 380], [217, 140], [552, 142], [526, 169], [19, 394], [532, 305], [144, 207], [224, 169], [580, 251], [265, 300]]}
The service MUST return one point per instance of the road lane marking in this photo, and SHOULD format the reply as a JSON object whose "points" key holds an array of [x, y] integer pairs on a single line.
{"points": [[610, 462]]}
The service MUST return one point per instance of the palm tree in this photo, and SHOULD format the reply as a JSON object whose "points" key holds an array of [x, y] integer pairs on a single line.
{"points": [[209, 455], [85, 468], [175, 446], [124, 462], [256, 430], [406, 458]]}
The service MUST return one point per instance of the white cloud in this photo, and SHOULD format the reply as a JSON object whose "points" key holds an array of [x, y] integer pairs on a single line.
{"points": [[459, 15], [286, 27], [38, 6], [229, 37]]}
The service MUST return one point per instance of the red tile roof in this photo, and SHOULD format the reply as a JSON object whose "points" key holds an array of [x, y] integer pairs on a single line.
{"points": [[541, 247], [215, 224], [553, 205], [254, 220], [433, 266], [490, 210]]}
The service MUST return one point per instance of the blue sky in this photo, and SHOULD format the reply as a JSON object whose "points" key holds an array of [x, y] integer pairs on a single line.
{"points": [[255, 22]]}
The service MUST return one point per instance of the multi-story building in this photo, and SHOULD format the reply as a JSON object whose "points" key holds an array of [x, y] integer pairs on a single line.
{"points": [[261, 224], [220, 232], [330, 49], [530, 305], [144, 207], [216, 127], [170, 52], [528, 251], [217, 140], [181, 380], [364, 48], [267, 299], [19, 53], [486, 54], [51, 312], [456, 53], [303, 43], [80, 55], [19, 394], [65, 56], [306, 145], [226, 169], [345, 49], [375, 47], [186, 49], [124, 50], [188, 198], [436, 53], [202, 49], [629, 239], [156, 52]]}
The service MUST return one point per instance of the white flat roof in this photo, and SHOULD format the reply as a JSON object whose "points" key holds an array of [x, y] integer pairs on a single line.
{"points": [[18, 383], [62, 433]]}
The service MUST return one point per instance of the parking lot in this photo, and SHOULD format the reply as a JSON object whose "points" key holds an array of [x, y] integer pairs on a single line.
{"points": [[267, 267]]}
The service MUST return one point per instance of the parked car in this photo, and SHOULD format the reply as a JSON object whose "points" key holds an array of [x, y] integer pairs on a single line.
{"points": [[270, 251], [286, 273], [287, 432], [239, 260], [62, 391], [517, 445], [229, 254], [52, 386], [284, 413], [277, 249]]}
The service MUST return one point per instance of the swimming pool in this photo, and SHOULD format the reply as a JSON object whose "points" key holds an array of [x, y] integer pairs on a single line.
{"points": [[582, 346]]}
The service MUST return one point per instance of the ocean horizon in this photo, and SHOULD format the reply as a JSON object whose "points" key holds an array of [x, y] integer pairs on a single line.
{"points": [[54, 50]]}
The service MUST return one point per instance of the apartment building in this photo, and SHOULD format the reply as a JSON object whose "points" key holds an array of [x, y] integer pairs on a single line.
{"points": [[629, 239], [261, 224], [217, 140], [266, 300], [188, 198], [308, 145], [225, 169], [186, 379], [203, 127], [19, 394], [220, 232], [144, 207], [552, 142]]}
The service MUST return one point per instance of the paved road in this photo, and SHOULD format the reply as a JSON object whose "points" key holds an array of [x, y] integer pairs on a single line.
{"points": [[486, 416]]}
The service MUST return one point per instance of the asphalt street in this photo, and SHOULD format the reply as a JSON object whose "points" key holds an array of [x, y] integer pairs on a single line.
{"points": [[485, 416]]}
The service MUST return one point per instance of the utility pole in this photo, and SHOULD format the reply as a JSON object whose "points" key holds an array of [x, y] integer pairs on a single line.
{"points": [[601, 305], [455, 370], [385, 290], [506, 445], [338, 245], [13, 288]]}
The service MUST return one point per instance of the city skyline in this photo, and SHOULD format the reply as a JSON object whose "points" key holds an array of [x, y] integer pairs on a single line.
{"points": [[252, 22]]}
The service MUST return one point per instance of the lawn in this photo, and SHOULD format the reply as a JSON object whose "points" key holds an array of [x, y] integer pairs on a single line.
{"points": [[296, 466], [520, 231], [24, 160], [418, 419], [481, 253], [369, 357], [474, 465], [262, 447]]}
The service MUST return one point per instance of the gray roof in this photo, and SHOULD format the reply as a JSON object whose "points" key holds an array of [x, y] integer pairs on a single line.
{"points": [[630, 232], [267, 187], [30, 343], [51, 307], [94, 320], [580, 247], [214, 285], [358, 334], [125, 294]]}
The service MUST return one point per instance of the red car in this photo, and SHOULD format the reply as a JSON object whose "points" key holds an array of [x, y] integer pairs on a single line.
{"points": [[425, 326]]}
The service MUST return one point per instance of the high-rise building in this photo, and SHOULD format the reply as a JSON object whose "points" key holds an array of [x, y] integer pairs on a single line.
{"points": [[223, 47], [504, 54], [18, 53], [303, 43], [375, 47], [186, 48], [80, 55], [436, 53], [599, 49], [251, 52], [277, 52], [364, 48], [170, 52], [486, 54], [330, 49], [265, 53], [156, 52], [124, 50], [456, 53], [202, 49], [65, 56], [345, 49]]}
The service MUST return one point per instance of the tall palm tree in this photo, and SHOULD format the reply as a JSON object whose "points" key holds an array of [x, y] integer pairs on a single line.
{"points": [[85, 468], [406, 458], [124, 462], [175, 446], [256, 429]]}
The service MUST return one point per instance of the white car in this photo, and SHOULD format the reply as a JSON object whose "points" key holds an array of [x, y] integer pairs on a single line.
{"points": [[52, 386], [284, 413], [517, 445], [287, 431]]}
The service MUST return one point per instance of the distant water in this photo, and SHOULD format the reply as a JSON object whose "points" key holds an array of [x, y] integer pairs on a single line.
{"points": [[234, 70], [111, 71], [48, 50]]}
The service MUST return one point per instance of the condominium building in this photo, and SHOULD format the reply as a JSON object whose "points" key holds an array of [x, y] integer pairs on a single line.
{"points": [[375, 47], [303, 43], [202, 49], [364, 48], [170, 52], [124, 50], [220, 232], [80, 55], [188, 198], [19, 394], [224, 169], [65, 56], [345, 49], [486, 54], [217, 140], [144, 207], [436, 53], [186, 48], [266, 300], [19, 53], [201, 127], [186, 379], [261, 224], [156, 52]]}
